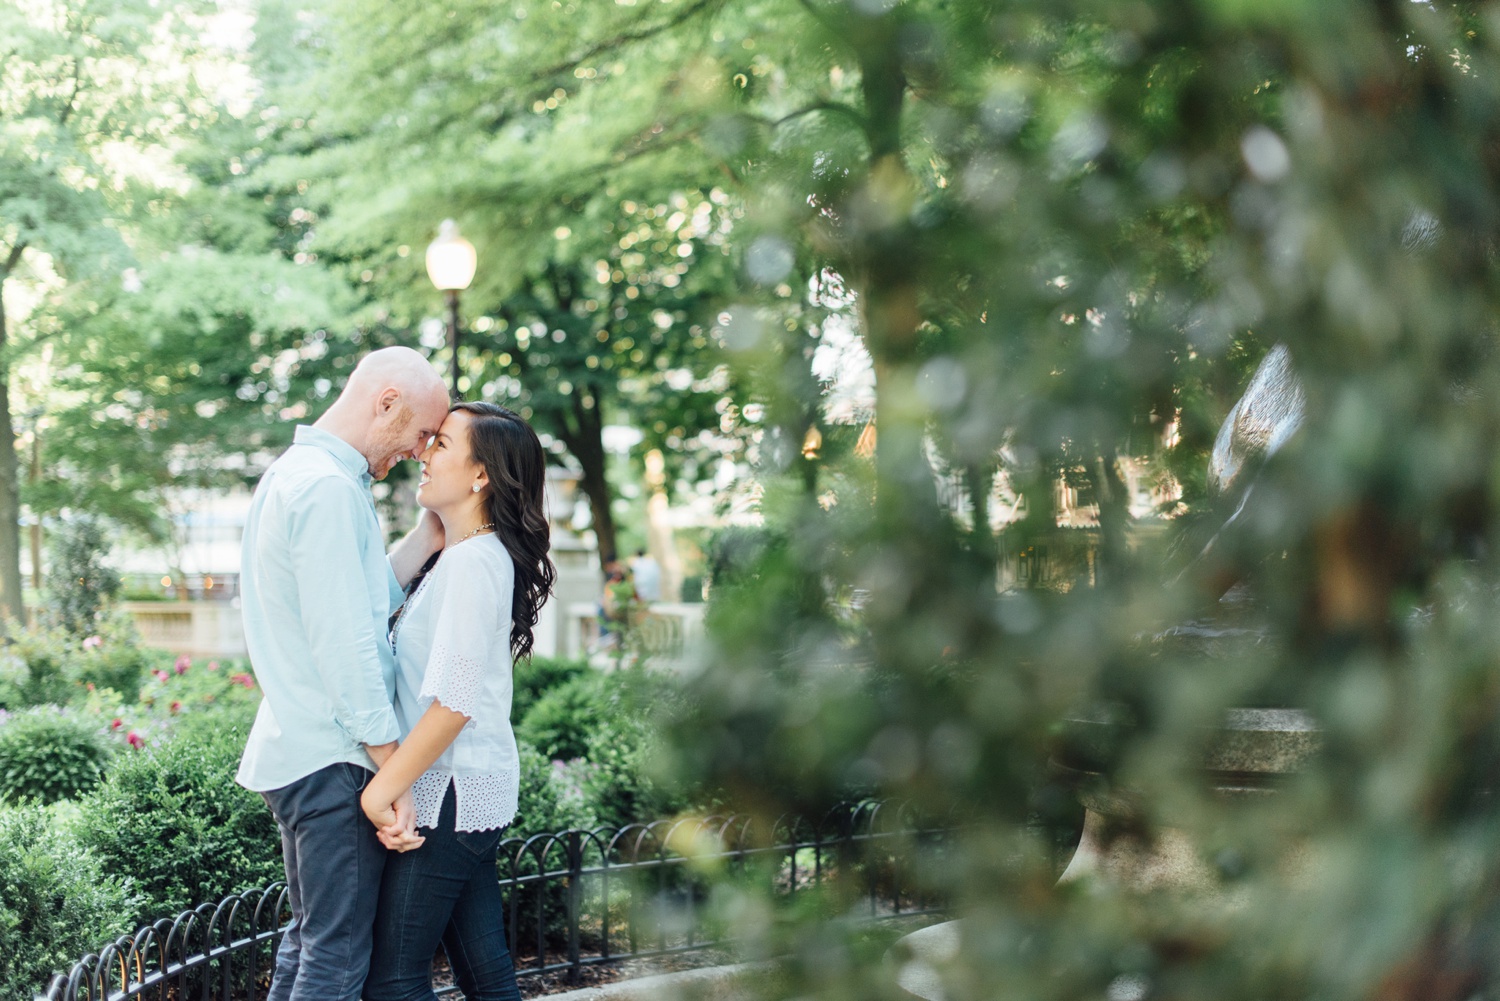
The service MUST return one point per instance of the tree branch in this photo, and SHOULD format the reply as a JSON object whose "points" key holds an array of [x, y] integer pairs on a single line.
{"points": [[12, 259], [835, 106], [71, 105], [622, 40]]}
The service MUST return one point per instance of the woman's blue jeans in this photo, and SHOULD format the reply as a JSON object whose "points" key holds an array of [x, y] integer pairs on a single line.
{"points": [[445, 891]]}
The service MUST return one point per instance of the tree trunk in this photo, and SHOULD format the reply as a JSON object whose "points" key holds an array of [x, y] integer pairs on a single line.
{"points": [[595, 486], [980, 478], [11, 606], [884, 278], [1114, 516], [581, 429]]}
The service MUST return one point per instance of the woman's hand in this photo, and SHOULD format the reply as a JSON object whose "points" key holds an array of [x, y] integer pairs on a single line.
{"points": [[394, 817]]}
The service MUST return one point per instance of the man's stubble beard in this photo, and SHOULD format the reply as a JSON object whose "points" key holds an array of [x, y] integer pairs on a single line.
{"points": [[387, 449]]}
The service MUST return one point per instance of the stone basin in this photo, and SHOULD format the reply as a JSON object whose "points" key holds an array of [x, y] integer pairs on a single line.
{"points": [[1249, 756]]}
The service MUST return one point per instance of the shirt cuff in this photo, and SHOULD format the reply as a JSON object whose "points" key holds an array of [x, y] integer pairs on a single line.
{"points": [[373, 727]]}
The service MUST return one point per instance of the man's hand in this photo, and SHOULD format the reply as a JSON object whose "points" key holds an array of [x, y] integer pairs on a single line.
{"points": [[408, 555], [430, 528]]}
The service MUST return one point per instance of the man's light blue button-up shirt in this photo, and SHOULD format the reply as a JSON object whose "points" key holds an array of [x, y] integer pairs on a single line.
{"points": [[316, 590]]}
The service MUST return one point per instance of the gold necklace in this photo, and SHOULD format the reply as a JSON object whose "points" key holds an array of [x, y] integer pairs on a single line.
{"points": [[487, 527]]}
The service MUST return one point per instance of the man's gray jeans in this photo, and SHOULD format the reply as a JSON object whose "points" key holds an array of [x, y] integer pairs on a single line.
{"points": [[333, 865]]}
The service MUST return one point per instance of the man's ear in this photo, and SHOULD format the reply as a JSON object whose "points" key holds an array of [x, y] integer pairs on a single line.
{"points": [[387, 400]]}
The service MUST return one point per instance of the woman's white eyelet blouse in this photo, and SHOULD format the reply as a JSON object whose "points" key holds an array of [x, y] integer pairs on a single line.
{"points": [[452, 645]]}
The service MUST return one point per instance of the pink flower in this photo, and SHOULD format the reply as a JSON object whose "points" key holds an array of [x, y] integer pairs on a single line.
{"points": [[242, 679], [213, 665], [116, 723], [175, 706], [160, 674], [135, 740], [90, 686], [91, 642], [183, 663]]}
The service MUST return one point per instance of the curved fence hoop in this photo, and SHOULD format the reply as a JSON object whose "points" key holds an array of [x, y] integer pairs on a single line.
{"points": [[604, 884]]}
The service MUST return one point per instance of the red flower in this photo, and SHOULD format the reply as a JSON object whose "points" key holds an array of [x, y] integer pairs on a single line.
{"points": [[116, 723], [175, 706], [135, 740]]}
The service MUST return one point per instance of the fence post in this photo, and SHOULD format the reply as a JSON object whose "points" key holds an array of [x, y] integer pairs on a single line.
{"points": [[575, 902], [844, 850]]}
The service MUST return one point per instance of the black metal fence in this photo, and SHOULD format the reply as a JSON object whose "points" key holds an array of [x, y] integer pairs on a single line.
{"points": [[574, 899]]}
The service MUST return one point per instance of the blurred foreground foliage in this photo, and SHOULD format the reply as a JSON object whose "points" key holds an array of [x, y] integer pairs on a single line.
{"points": [[1066, 232]]}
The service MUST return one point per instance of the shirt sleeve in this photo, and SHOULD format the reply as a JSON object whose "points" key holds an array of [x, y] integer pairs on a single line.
{"points": [[328, 564], [471, 626]]}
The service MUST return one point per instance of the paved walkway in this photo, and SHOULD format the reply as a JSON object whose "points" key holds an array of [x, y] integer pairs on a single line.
{"points": [[712, 983]]}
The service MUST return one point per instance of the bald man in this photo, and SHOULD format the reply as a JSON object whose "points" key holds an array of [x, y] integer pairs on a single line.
{"points": [[316, 590]]}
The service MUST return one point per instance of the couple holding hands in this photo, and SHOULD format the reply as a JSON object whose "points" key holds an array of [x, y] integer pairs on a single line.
{"points": [[383, 744]]}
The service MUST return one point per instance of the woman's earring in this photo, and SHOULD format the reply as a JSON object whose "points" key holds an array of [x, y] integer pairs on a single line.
{"points": [[476, 488]]}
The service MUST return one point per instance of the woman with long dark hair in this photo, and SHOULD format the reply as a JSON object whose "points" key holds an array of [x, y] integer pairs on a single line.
{"points": [[464, 623]]}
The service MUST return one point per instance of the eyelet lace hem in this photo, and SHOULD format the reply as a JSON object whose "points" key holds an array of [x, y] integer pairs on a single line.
{"points": [[485, 802]]}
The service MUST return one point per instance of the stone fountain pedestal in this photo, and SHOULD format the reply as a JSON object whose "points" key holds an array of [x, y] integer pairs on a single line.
{"points": [[1248, 757]]}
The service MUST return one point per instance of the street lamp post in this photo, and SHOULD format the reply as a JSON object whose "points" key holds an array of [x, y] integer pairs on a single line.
{"points": [[450, 265]]}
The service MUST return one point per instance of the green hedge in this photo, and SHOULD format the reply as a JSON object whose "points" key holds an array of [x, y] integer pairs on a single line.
{"points": [[534, 678], [48, 754], [58, 902], [173, 818], [47, 665], [168, 817], [559, 722]]}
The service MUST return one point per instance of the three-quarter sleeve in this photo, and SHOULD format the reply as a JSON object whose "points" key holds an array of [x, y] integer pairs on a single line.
{"points": [[471, 599], [334, 601]]}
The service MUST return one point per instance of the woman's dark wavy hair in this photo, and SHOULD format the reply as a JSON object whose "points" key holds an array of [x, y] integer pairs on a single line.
{"points": [[512, 456], [513, 459]]}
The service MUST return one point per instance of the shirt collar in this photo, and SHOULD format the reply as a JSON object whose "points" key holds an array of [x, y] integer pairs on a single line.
{"points": [[345, 454]]}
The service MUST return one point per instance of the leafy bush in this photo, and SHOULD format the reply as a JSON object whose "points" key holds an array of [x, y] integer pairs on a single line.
{"points": [[185, 687], [558, 723], [179, 695], [538, 676], [78, 582], [598, 730], [111, 657], [551, 799], [33, 668], [57, 902], [47, 754], [173, 817], [45, 665], [622, 781]]}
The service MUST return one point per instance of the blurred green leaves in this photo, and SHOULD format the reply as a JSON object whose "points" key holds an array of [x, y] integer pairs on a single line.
{"points": [[1063, 235]]}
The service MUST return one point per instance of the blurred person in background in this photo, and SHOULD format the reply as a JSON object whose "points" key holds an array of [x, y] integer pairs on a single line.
{"points": [[646, 573]]}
